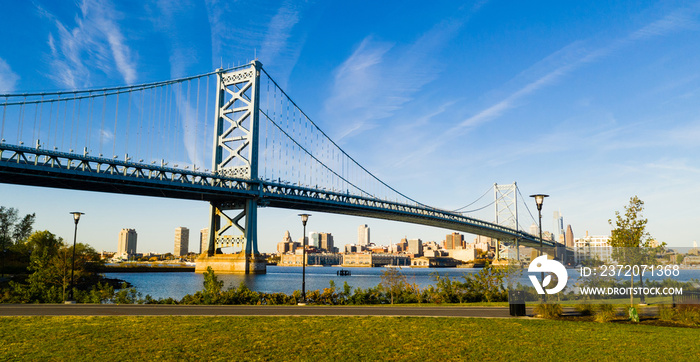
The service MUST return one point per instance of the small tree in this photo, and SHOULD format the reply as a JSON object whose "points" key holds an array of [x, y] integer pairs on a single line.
{"points": [[630, 233]]}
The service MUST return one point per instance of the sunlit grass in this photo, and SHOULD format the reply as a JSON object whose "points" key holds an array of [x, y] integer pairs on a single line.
{"points": [[336, 339]]}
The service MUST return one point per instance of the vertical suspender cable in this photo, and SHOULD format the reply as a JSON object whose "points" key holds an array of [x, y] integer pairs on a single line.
{"points": [[36, 111], [102, 125], [41, 114], [75, 147], [116, 117], [4, 112], [206, 118], [196, 122], [48, 134], [163, 118], [128, 128], [139, 125], [65, 120], [186, 120], [21, 120], [89, 121]]}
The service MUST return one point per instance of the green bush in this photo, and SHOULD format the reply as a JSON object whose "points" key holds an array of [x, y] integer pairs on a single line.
{"points": [[548, 311], [586, 309], [605, 313]]}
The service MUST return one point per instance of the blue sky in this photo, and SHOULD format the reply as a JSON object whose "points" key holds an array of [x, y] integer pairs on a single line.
{"points": [[591, 103]]}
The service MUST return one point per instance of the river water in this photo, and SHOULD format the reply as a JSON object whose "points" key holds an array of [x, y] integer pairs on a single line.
{"points": [[288, 279]]}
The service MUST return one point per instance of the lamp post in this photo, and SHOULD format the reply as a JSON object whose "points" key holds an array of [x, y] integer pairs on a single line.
{"points": [[76, 218], [539, 200], [304, 219]]}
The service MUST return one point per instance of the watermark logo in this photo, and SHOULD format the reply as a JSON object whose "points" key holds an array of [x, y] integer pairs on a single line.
{"points": [[543, 265]]}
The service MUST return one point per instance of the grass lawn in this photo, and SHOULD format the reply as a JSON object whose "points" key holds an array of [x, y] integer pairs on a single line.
{"points": [[337, 339]]}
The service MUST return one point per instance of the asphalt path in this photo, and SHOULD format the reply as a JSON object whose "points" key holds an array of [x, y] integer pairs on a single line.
{"points": [[244, 310]]}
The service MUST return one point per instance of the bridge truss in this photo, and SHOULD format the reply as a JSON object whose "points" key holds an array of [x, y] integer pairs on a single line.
{"points": [[267, 153]]}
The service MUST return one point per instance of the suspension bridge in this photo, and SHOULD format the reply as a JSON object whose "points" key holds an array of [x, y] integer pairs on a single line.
{"points": [[155, 139]]}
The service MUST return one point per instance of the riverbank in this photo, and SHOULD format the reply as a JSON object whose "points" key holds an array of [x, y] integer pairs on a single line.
{"points": [[150, 268]]}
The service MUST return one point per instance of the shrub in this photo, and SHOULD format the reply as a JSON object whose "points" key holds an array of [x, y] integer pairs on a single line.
{"points": [[605, 313], [585, 309], [549, 311]]}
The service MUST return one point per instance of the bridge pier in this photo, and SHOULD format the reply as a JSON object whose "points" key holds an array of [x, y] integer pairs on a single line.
{"points": [[239, 263], [236, 155]]}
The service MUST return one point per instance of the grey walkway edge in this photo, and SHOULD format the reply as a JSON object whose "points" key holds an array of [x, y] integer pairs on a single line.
{"points": [[245, 310]]}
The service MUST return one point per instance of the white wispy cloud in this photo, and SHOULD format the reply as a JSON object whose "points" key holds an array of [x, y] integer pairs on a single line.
{"points": [[8, 78], [379, 77], [96, 41], [572, 57], [279, 30]]}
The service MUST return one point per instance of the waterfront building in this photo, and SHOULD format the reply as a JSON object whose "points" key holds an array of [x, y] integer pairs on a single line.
{"points": [[182, 241], [593, 247], [204, 241], [375, 260], [415, 247], [465, 255], [485, 240], [319, 259], [454, 241], [127, 243], [363, 235]]}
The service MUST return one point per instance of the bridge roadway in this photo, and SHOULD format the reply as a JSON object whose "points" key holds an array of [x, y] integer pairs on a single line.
{"points": [[38, 167], [243, 310]]}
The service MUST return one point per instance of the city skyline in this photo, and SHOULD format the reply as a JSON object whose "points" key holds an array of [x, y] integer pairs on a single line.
{"points": [[589, 103]]}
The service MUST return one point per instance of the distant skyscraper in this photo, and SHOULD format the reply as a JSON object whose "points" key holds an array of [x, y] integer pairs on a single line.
{"points": [[326, 241], [569, 236], [127, 242], [534, 230], [454, 241], [415, 247], [314, 239], [204, 241], [182, 241], [558, 225], [363, 235]]}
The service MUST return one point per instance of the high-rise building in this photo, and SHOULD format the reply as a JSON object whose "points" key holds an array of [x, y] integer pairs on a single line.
{"points": [[204, 241], [326, 241], [534, 229], [363, 235], [415, 247], [315, 239], [127, 242], [454, 241], [569, 236], [182, 241], [558, 225]]}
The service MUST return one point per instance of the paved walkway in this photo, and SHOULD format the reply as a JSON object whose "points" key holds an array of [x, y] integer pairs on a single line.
{"points": [[242, 310]]}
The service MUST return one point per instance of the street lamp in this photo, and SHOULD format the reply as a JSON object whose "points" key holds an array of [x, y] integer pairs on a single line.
{"points": [[539, 199], [304, 219], [76, 218]]}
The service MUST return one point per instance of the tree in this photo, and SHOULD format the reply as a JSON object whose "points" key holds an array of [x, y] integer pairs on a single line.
{"points": [[630, 239], [12, 232]]}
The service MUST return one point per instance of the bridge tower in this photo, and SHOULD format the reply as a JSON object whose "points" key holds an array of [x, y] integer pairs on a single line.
{"points": [[506, 201], [234, 222]]}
